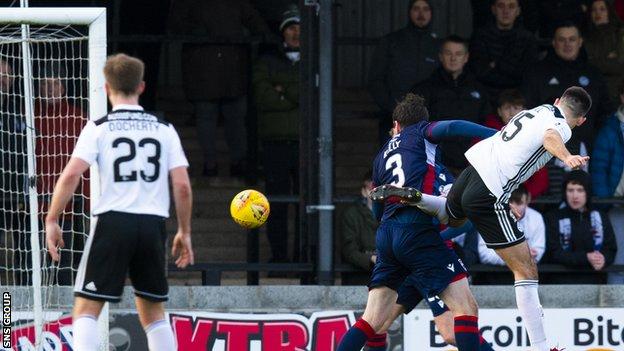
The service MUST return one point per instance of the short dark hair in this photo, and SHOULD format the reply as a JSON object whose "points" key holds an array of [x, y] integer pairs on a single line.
{"points": [[621, 88], [566, 24], [578, 177], [454, 39], [577, 100], [511, 96], [516, 195], [410, 110]]}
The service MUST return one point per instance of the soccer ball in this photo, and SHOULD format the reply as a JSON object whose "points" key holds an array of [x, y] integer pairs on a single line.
{"points": [[250, 209]]}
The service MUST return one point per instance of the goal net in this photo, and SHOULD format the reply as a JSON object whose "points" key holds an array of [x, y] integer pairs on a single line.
{"points": [[50, 85]]}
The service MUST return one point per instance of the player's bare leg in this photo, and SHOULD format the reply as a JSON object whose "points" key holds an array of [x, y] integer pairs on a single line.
{"points": [[376, 313], [157, 329], [85, 315], [518, 259], [459, 299], [444, 323]]}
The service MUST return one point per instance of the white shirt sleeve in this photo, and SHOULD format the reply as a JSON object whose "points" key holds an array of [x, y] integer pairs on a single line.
{"points": [[86, 147], [536, 232], [176, 153], [558, 124], [487, 255]]}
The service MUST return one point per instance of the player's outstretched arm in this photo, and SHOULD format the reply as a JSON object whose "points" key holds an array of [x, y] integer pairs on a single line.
{"points": [[63, 192], [183, 199], [553, 143], [444, 130]]}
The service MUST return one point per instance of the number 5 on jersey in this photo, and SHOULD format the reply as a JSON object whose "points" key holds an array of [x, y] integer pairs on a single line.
{"points": [[396, 164]]}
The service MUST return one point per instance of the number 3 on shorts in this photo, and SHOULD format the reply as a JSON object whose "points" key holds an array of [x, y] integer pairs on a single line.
{"points": [[396, 163]]}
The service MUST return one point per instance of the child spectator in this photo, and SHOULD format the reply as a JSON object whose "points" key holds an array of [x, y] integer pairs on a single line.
{"points": [[579, 235]]}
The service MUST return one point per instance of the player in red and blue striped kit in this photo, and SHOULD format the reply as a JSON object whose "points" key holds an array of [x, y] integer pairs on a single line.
{"points": [[409, 247]]}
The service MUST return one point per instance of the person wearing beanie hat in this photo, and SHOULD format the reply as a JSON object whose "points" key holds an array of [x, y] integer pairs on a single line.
{"points": [[290, 16], [401, 60], [579, 235], [275, 84]]}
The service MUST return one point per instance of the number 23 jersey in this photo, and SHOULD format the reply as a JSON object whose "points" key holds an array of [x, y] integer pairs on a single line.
{"points": [[512, 155], [134, 151]]}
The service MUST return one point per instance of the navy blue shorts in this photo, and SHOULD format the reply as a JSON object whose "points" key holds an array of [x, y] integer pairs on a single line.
{"points": [[416, 255], [409, 297]]}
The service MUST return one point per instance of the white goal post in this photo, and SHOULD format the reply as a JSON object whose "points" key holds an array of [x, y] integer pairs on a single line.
{"points": [[51, 33]]}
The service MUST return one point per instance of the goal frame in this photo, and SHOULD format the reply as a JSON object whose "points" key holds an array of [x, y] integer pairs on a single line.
{"points": [[95, 19]]}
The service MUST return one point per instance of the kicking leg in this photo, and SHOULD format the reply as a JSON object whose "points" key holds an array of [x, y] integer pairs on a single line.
{"points": [[430, 204], [157, 329], [85, 315], [519, 260], [374, 317]]}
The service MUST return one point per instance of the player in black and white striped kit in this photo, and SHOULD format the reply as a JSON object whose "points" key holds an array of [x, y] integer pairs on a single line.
{"points": [[498, 165], [136, 154]]}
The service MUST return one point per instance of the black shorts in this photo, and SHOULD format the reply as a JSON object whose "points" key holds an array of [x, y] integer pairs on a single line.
{"points": [[122, 244], [470, 198]]}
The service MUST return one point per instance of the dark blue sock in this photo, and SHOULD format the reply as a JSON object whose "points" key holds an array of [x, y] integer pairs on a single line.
{"points": [[377, 343], [356, 337], [467, 333], [484, 346]]}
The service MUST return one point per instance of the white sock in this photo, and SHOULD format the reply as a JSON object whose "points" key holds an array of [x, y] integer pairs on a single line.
{"points": [[86, 335], [434, 206], [160, 336], [532, 314]]}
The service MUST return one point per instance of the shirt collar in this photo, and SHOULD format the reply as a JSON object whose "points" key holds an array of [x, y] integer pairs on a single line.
{"points": [[127, 107]]}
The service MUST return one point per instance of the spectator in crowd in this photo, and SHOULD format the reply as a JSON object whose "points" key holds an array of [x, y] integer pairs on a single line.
{"points": [[555, 12], [58, 123], [605, 44], [14, 174], [607, 173], [530, 222], [501, 51], [565, 66], [579, 235], [528, 19], [276, 92], [453, 92], [402, 59], [357, 235], [509, 103], [215, 74]]}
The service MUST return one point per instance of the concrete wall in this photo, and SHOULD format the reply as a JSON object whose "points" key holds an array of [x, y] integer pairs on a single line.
{"points": [[316, 298]]}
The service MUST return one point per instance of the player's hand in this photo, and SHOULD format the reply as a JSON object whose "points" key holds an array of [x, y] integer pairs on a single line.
{"points": [[54, 239], [182, 249], [576, 161], [374, 259], [596, 259]]}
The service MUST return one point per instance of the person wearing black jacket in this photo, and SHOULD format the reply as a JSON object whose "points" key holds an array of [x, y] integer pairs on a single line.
{"points": [[564, 66], [579, 235], [402, 59], [501, 51], [453, 92]]}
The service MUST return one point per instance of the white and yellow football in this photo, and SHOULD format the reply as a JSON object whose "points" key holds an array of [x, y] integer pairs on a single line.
{"points": [[250, 209]]}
